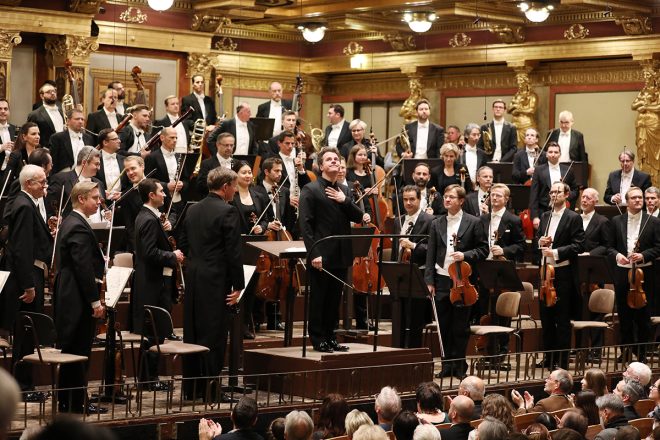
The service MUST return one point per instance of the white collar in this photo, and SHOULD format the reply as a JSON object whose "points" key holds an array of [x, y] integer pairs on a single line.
{"points": [[560, 212], [554, 167], [470, 148], [107, 155], [530, 151], [565, 133], [338, 125], [498, 122], [588, 216], [457, 216], [199, 96], [630, 174], [635, 216], [113, 113], [80, 213], [499, 213], [415, 215], [168, 153], [222, 159], [274, 103], [35, 201], [74, 134], [152, 209], [423, 124]]}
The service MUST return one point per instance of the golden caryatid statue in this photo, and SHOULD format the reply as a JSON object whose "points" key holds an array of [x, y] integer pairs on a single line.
{"points": [[409, 108], [523, 106], [647, 124]]}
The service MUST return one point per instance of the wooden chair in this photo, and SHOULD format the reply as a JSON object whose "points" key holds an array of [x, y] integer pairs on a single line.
{"points": [[592, 431], [644, 406], [643, 425], [123, 260], [526, 301], [476, 423], [522, 421], [559, 413], [442, 426], [507, 306]]}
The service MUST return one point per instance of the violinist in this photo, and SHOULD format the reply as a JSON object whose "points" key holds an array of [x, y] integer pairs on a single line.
{"points": [[27, 141], [225, 148], [271, 147], [450, 174], [111, 165], [107, 116], [358, 132], [414, 221], [134, 137], [39, 157], [477, 203], [154, 264], [561, 239], [183, 129], [619, 181], [472, 157], [28, 252], [636, 240], [131, 203], [444, 250], [294, 166], [356, 170], [526, 159]]}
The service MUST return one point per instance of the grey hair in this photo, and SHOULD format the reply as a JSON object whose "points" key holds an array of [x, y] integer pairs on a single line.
{"points": [[426, 432], [357, 123], [565, 380], [633, 389], [641, 371], [492, 429], [652, 189], [611, 402], [373, 432], [298, 425], [471, 126], [28, 173], [86, 154], [475, 387], [355, 419], [389, 403]]}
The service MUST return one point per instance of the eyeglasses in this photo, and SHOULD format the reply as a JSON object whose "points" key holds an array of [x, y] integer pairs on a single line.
{"points": [[449, 197], [40, 182], [555, 192]]}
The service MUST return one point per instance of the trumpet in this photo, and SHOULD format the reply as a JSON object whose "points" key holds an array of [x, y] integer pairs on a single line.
{"points": [[317, 138], [67, 107], [488, 141], [404, 140], [196, 141]]}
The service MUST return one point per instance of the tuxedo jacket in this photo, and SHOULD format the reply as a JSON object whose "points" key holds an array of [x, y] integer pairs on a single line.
{"points": [[344, 135], [66, 180], [165, 122], [124, 182], [191, 101], [285, 212], [509, 140], [511, 238], [127, 138], [598, 236], [13, 131], [434, 141], [521, 164], [264, 109], [61, 150], [640, 179], [42, 119], [260, 201], [472, 242], [471, 205], [482, 159], [269, 147], [569, 237], [303, 179], [156, 161], [229, 126], [576, 148], [539, 195], [421, 227], [649, 237], [129, 207], [98, 120], [206, 166]]}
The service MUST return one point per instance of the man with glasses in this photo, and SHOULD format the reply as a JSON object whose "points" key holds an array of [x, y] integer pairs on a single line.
{"points": [[225, 148], [620, 181], [49, 116], [29, 249], [64, 146], [558, 385], [503, 135], [571, 141], [112, 165]]}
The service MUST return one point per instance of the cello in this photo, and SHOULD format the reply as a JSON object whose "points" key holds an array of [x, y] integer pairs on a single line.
{"points": [[462, 293], [140, 96], [365, 269]]}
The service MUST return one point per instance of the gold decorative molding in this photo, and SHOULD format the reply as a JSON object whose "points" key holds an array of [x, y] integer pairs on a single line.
{"points": [[635, 25], [460, 40], [151, 37], [85, 6], [133, 15], [43, 21], [255, 80], [399, 42], [199, 64], [353, 48], [576, 32], [9, 39], [10, 2], [209, 23], [225, 44], [508, 34], [73, 47]]}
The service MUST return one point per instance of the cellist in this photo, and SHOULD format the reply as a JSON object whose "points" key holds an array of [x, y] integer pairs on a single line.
{"points": [[634, 227], [561, 239], [444, 250]]}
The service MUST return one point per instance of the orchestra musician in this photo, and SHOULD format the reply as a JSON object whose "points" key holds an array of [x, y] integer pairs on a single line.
{"points": [[40, 101], [356, 170], [422, 179], [111, 165], [449, 174], [478, 202], [503, 134], [561, 239], [417, 222], [472, 157], [426, 137], [241, 128], [443, 250], [543, 178], [183, 129], [154, 263], [65, 145], [49, 116], [203, 106], [107, 117], [214, 276], [292, 160], [224, 146], [570, 140], [326, 209], [636, 239], [131, 203], [26, 142], [134, 137], [338, 132], [28, 251], [8, 134], [121, 106], [275, 107], [619, 181], [39, 157], [358, 129], [453, 136], [271, 148], [80, 265], [651, 199], [524, 160]]}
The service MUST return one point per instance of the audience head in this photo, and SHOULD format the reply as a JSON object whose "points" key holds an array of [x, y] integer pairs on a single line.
{"points": [[574, 420], [586, 401], [594, 380], [332, 415], [71, 429], [627, 433], [547, 420], [629, 390], [298, 425], [354, 419], [404, 425], [536, 431], [639, 372], [492, 429], [609, 406], [472, 387], [499, 408], [560, 381], [244, 414], [10, 395], [654, 393], [426, 432], [461, 409], [429, 397], [276, 429], [567, 434], [388, 404], [366, 432]]}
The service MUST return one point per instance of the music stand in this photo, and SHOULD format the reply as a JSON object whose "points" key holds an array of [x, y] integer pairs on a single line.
{"points": [[249, 158], [519, 197], [502, 171], [361, 248], [580, 171], [102, 232], [406, 282], [408, 167], [609, 211], [594, 269], [263, 128]]}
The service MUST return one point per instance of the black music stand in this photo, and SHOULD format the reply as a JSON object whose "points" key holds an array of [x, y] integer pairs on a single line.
{"points": [[102, 234], [249, 158], [361, 248], [408, 167], [502, 172], [263, 128], [581, 172], [610, 211], [519, 197], [406, 282], [594, 269]]}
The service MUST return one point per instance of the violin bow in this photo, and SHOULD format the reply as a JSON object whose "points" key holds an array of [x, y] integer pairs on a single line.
{"points": [[182, 163], [279, 187]]}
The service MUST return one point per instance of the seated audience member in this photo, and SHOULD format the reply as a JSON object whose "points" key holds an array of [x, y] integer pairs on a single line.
{"points": [[639, 372], [547, 420], [474, 388], [536, 431], [558, 384], [355, 419], [460, 415], [654, 395], [332, 415], [243, 419], [499, 408], [426, 431], [429, 402], [387, 406], [567, 434], [366, 432], [491, 429], [594, 379], [655, 435], [630, 392], [404, 425], [572, 419], [71, 429], [10, 395], [276, 429], [298, 425], [586, 402], [627, 433], [610, 407]]}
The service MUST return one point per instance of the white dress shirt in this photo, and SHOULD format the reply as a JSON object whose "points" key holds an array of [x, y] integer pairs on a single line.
{"points": [[39, 203], [138, 140], [531, 156], [242, 138], [555, 218], [120, 108], [626, 182], [112, 118], [586, 218], [111, 171], [471, 161], [453, 223], [5, 136], [564, 142], [495, 220], [423, 203], [497, 154], [333, 137], [225, 163], [181, 139], [200, 100], [633, 228], [276, 113], [77, 144], [55, 116], [554, 172], [421, 145], [172, 165], [289, 165]]}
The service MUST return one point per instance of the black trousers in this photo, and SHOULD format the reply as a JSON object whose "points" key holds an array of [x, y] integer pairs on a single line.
{"points": [[556, 320], [635, 324], [454, 325], [324, 303], [75, 375]]}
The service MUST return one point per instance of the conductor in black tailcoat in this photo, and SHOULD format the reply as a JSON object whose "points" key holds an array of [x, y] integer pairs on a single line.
{"points": [[80, 264], [327, 209], [214, 274]]}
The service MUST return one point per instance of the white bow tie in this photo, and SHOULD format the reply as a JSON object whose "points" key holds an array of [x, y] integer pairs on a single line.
{"points": [[111, 156]]}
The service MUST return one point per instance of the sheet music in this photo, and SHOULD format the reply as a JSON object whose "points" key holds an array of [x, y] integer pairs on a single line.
{"points": [[115, 280], [295, 249], [248, 271], [4, 274], [100, 225]]}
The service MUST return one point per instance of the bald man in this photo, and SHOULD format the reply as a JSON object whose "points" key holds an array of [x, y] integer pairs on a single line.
{"points": [[274, 107], [460, 414], [241, 128]]}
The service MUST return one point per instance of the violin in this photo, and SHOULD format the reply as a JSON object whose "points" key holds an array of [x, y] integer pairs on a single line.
{"points": [[179, 282], [547, 292], [636, 297], [406, 254], [463, 293], [431, 195], [462, 174], [496, 238]]}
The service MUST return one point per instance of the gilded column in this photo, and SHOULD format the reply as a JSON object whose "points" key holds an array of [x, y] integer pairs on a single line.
{"points": [[524, 103], [647, 124], [408, 110], [8, 39]]}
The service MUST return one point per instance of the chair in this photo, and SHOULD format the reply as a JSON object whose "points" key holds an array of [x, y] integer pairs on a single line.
{"points": [[476, 423], [601, 301], [592, 431], [507, 307], [559, 413], [522, 421], [643, 425], [526, 299], [442, 426], [42, 329], [4, 346], [123, 260], [644, 406]]}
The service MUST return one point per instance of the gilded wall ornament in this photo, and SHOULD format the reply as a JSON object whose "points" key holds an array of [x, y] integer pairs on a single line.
{"points": [[225, 44], [576, 32], [647, 124], [508, 34], [209, 23], [199, 64], [9, 39], [133, 15], [353, 48], [635, 25], [523, 104], [399, 42], [85, 6], [71, 46], [409, 108], [460, 40]]}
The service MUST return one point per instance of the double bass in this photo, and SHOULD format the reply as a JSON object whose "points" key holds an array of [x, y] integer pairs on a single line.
{"points": [[365, 269]]}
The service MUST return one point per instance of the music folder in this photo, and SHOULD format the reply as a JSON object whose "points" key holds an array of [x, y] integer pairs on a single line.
{"points": [[263, 128], [115, 282]]}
